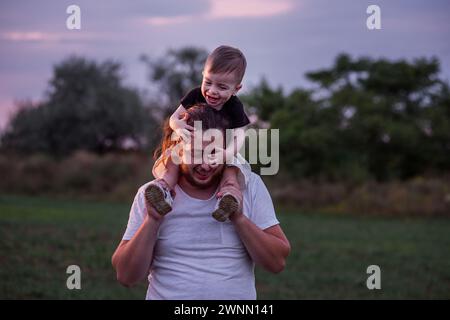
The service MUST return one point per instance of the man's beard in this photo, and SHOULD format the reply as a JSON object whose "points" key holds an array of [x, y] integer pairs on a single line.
{"points": [[188, 175]]}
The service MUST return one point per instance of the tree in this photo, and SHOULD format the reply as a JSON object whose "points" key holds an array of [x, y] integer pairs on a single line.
{"points": [[265, 100], [174, 74], [368, 118], [86, 107]]}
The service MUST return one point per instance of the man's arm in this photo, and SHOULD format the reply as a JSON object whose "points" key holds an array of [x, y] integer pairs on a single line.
{"points": [[268, 248], [132, 258]]}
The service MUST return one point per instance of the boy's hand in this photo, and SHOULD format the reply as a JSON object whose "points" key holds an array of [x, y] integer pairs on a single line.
{"points": [[217, 158], [184, 134], [183, 130], [221, 156]]}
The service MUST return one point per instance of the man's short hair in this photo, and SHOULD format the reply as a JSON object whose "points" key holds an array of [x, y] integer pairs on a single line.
{"points": [[226, 59]]}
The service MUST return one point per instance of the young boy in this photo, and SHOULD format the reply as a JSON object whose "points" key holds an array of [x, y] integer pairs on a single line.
{"points": [[222, 77]]}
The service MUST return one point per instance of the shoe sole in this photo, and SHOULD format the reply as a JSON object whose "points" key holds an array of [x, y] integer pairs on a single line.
{"points": [[226, 207], [155, 197]]}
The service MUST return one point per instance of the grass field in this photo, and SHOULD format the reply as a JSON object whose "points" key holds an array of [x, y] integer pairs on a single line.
{"points": [[40, 237]]}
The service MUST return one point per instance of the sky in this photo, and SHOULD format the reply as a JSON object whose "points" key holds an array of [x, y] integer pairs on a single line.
{"points": [[281, 39]]}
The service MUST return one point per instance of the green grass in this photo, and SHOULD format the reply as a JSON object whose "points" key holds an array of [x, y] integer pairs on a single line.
{"points": [[40, 237]]}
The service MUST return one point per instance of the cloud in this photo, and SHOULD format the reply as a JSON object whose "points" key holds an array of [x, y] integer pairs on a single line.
{"points": [[223, 9], [163, 21], [50, 37], [248, 8], [20, 36]]}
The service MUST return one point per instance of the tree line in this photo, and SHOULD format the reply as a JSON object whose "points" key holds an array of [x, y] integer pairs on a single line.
{"points": [[363, 119]]}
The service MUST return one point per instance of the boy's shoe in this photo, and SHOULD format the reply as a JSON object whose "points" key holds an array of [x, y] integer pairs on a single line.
{"points": [[225, 206], [159, 197]]}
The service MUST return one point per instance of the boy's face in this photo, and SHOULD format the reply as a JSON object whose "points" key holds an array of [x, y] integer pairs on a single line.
{"points": [[217, 88]]}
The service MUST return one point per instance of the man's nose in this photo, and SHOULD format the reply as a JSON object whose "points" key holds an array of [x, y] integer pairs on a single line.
{"points": [[205, 166]]}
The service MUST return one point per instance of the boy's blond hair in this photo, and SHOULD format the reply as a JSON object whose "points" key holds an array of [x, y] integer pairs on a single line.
{"points": [[226, 59]]}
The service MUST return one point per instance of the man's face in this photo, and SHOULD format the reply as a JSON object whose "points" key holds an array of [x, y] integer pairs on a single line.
{"points": [[201, 175]]}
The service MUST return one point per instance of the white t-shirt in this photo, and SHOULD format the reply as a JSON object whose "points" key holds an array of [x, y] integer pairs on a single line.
{"points": [[197, 257]]}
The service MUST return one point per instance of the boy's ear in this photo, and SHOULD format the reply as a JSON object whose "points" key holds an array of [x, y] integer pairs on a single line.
{"points": [[238, 87]]}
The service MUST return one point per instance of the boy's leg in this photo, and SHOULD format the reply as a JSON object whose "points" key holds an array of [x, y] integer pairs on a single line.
{"points": [[237, 173], [227, 204], [158, 192], [168, 173], [243, 172], [230, 177]]}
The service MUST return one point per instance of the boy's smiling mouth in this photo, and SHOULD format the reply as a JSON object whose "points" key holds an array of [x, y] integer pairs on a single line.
{"points": [[212, 100]]}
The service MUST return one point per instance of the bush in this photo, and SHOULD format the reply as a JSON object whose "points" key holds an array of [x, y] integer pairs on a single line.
{"points": [[113, 176], [117, 176], [420, 196]]}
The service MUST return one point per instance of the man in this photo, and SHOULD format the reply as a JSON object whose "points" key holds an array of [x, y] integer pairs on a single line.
{"points": [[187, 254]]}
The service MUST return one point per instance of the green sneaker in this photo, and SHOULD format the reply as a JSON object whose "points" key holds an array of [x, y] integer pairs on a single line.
{"points": [[225, 206], [159, 197]]}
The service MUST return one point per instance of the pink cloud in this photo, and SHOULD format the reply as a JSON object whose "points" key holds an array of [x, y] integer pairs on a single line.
{"points": [[162, 21], [223, 9], [28, 36], [249, 8], [50, 37]]}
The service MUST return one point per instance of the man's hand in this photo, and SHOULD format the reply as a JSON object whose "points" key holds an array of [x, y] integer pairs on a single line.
{"points": [[236, 192], [152, 213]]}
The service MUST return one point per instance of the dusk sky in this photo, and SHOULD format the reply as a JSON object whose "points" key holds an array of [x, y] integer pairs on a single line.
{"points": [[282, 39]]}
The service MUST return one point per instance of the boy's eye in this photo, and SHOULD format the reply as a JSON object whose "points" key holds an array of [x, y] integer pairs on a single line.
{"points": [[223, 87]]}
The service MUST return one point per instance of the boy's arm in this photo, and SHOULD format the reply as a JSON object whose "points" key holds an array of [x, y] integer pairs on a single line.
{"points": [[176, 117], [177, 122]]}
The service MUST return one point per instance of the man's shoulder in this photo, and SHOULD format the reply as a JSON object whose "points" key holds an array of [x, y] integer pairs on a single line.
{"points": [[254, 183], [142, 188], [254, 177]]}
